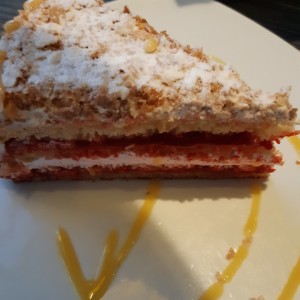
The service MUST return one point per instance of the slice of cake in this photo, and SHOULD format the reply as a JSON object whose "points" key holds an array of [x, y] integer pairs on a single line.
{"points": [[92, 92]]}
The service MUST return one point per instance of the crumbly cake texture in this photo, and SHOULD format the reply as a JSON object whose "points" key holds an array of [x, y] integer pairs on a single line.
{"points": [[91, 92], [77, 69]]}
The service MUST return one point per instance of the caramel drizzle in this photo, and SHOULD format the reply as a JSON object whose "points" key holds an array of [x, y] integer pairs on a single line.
{"points": [[113, 258], [290, 288], [216, 290]]}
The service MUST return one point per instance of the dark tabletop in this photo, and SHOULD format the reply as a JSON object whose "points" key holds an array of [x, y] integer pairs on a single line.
{"points": [[281, 17]]}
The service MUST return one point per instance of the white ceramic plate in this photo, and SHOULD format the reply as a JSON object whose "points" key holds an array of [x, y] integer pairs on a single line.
{"points": [[193, 223]]}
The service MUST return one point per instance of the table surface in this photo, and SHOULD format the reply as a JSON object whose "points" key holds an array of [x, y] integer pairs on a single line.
{"points": [[280, 16]]}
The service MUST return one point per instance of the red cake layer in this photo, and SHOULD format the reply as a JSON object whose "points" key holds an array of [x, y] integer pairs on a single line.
{"points": [[140, 173], [206, 155]]}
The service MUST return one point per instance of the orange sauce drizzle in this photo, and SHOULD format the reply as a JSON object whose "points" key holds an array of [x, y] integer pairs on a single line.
{"points": [[295, 141], [293, 282], [113, 258], [290, 288], [216, 290]]}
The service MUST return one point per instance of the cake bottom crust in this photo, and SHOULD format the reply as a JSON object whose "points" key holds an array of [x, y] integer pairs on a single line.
{"points": [[128, 172]]}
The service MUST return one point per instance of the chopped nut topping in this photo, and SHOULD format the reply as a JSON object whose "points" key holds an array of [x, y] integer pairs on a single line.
{"points": [[10, 111], [230, 254], [32, 4], [150, 45], [11, 26], [2, 56], [281, 101]]}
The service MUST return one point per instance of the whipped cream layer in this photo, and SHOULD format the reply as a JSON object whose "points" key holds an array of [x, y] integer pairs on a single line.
{"points": [[131, 159]]}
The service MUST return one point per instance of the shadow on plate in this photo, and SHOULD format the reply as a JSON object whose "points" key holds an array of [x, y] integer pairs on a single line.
{"points": [[188, 2], [199, 188]]}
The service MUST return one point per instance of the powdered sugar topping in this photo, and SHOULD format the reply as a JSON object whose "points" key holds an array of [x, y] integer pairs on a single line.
{"points": [[100, 45]]}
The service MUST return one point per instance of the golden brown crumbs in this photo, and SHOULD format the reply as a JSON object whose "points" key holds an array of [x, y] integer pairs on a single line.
{"points": [[219, 277], [230, 254]]}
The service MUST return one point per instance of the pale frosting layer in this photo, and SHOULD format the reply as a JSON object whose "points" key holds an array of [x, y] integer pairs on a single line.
{"points": [[131, 159]]}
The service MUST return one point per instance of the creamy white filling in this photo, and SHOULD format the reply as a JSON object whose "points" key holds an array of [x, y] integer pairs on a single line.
{"points": [[131, 159]]}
